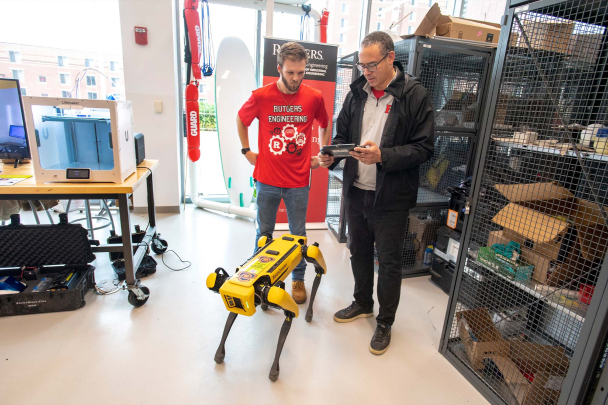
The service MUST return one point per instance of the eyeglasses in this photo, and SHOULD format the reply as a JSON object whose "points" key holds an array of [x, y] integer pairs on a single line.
{"points": [[371, 67]]}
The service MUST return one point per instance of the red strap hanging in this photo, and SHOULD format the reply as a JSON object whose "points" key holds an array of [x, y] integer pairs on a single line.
{"points": [[193, 122], [323, 28]]}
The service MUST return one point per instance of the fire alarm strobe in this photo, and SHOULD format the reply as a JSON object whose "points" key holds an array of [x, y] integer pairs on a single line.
{"points": [[141, 35]]}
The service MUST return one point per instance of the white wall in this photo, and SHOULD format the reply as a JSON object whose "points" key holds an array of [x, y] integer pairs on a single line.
{"points": [[150, 72]]}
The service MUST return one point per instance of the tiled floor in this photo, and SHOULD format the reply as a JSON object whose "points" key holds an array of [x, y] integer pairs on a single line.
{"points": [[162, 353]]}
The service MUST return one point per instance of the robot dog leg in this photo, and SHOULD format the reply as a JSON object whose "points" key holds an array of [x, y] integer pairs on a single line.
{"points": [[260, 281], [313, 255]]}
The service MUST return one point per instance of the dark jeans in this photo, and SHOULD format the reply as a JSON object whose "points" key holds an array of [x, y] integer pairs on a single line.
{"points": [[387, 229], [296, 202]]}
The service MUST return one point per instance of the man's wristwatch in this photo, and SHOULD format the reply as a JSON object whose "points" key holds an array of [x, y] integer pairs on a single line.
{"points": [[245, 150]]}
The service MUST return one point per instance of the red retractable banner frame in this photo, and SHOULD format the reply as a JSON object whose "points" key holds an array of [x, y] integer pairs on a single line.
{"points": [[321, 75]]}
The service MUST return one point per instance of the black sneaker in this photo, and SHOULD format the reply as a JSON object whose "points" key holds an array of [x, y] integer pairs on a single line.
{"points": [[352, 312], [381, 339]]}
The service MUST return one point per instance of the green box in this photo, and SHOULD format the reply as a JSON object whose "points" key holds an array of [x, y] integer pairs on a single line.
{"points": [[518, 271]]}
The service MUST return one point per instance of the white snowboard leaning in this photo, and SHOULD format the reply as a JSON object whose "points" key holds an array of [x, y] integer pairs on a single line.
{"points": [[234, 82]]}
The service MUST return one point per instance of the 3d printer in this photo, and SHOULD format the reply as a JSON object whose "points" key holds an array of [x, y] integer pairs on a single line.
{"points": [[76, 140]]}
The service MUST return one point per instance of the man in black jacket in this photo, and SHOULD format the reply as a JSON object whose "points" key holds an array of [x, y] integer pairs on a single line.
{"points": [[389, 113]]}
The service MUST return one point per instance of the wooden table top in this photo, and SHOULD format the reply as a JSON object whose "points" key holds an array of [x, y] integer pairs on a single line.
{"points": [[29, 186]]}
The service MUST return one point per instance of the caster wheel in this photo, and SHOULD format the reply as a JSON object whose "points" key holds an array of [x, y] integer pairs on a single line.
{"points": [[133, 297], [264, 307], [159, 246]]}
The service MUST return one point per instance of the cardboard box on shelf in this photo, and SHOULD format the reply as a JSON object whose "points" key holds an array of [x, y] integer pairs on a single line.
{"points": [[480, 337], [551, 36], [535, 211], [429, 22], [426, 232], [501, 109], [584, 48], [472, 30], [435, 24], [548, 365]]}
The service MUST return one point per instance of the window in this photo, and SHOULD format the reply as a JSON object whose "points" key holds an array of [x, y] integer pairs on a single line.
{"points": [[113, 66], [63, 61], [342, 38], [15, 56], [344, 8], [431, 2], [409, 29], [92, 95], [19, 75], [42, 79], [65, 94], [91, 81], [380, 10], [64, 78], [2, 75], [340, 51], [413, 2], [343, 23], [23, 93], [88, 63], [379, 27], [413, 16], [115, 81], [44, 95]]}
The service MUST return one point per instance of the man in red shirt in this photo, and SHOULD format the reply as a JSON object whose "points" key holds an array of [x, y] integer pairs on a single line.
{"points": [[285, 111]]}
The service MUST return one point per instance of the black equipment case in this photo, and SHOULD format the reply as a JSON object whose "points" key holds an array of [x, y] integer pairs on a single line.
{"points": [[53, 250]]}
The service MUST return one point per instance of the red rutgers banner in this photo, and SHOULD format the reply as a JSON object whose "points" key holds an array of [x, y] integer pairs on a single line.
{"points": [[321, 75]]}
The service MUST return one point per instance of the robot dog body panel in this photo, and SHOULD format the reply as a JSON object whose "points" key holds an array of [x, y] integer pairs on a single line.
{"points": [[271, 264]]}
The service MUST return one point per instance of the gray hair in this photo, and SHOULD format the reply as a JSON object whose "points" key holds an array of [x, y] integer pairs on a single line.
{"points": [[382, 39], [292, 51]]}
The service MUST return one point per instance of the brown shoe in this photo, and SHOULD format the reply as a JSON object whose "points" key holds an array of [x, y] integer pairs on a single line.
{"points": [[298, 292]]}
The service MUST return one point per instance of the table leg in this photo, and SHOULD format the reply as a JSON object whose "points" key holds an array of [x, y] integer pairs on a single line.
{"points": [[151, 206], [33, 207], [87, 207], [127, 244]]}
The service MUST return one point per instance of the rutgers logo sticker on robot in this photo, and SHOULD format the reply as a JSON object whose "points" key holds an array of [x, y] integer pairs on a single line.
{"points": [[246, 276], [287, 136]]}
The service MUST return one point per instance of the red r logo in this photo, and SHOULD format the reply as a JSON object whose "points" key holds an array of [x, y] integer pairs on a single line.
{"points": [[388, 108]]}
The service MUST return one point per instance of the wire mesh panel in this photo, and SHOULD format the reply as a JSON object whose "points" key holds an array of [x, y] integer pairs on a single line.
{"points": [[421, 232], [335, 212], [447, 168], [335, 205], [454, 81], [344, 78], [402, 52], [539, 230]]}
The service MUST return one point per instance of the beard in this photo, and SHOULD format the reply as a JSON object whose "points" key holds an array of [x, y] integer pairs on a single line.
{"points": [[291, 87]]}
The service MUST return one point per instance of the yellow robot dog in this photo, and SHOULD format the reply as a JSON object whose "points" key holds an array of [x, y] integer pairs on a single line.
{"points": [[260, 281]]}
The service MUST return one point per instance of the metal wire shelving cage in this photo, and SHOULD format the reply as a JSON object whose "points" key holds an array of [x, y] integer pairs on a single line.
{"points": [[532, 328], [456, 74]]}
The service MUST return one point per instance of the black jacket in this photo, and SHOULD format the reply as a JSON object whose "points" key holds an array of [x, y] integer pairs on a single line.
{"points": [[407, 140]]}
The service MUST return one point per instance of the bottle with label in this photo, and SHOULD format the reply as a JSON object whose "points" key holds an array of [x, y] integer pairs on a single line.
{"points": [[428, 255]]}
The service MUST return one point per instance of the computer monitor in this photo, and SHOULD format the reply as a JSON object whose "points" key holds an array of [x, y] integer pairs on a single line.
{"points": [[17, 131], [13, 134]]}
